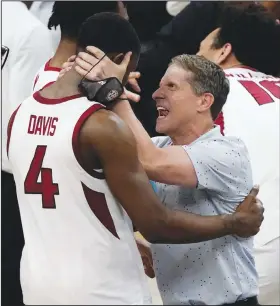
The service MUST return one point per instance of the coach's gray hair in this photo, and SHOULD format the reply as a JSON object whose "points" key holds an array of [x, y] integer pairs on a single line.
{"points": [[206, 77]]}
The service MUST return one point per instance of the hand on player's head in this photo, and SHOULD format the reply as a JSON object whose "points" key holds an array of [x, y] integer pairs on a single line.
{"points": [[67, 66], [103, 67], [106, 68], [132, 80]]}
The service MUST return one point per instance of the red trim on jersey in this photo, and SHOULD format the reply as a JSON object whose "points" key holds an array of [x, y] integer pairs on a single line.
{"points": [[247, 67], [220, 121], [75, 139], [9, 129], [98, 205], [37, 96], [35, 81], [48, 67]]}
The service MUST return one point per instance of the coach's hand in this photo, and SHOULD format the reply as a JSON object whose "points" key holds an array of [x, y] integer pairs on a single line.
{"points": [[67, 66], [249, 215], [106, 69]]}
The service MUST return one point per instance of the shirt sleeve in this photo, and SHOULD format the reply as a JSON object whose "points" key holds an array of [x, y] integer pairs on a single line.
{"points": [[222, 166], [158, 140]]}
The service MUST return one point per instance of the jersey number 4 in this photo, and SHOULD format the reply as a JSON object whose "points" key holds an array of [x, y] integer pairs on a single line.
{"points": [[47, 188], [259, 94]]}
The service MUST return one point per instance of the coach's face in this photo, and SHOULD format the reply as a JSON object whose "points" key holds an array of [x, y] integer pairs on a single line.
{"points": [[175, 101]]}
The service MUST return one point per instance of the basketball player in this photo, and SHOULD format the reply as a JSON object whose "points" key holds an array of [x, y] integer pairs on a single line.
{"points": [[79, 249], [247, 47], [69, 16]]}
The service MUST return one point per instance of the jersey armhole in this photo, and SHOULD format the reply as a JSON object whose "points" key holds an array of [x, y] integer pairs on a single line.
{"points": [[9, 129], [75, 139]]}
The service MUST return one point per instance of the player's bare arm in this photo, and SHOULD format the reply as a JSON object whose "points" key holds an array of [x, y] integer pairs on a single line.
{"points": [[112, 141]]}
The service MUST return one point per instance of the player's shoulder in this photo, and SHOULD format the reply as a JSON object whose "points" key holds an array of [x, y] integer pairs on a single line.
{"points": [[237, 74], [106, 125]]}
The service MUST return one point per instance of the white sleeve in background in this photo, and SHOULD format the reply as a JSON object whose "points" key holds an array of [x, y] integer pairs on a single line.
{"points": [[43, 10], [34, 52], [30, 46]]}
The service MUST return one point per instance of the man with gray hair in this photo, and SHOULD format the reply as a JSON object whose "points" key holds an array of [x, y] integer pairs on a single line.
{"points": [[199, 171]]}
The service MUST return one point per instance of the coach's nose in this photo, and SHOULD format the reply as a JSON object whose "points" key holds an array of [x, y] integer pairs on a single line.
{"points": [[158, 94]]}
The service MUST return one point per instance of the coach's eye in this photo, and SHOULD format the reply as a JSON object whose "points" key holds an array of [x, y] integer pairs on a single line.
{"points": [[171, 86]]}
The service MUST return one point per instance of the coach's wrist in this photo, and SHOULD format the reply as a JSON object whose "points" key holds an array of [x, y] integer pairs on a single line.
{"points": [[122, 97], [122, 106]]}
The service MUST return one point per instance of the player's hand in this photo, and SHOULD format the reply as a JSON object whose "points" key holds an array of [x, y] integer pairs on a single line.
{"points": [[67, 66], [146, 256], [249, 215]]}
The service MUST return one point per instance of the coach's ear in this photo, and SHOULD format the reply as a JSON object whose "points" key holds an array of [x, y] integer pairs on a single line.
{"points": [[224, 53]]}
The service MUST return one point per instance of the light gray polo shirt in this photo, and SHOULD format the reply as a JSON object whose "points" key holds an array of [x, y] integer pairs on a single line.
{"points": [[217, 271]]}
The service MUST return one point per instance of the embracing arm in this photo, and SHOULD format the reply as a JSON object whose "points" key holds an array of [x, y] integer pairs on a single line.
{"points": [[169, 165], [112, 141]]}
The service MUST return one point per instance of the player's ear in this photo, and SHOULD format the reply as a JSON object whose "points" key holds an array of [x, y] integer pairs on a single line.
{"points": [[224, 53], [118, 58]]}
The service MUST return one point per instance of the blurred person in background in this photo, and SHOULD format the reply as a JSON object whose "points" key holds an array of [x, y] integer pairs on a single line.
{"points": [[247, 46], [43, 10], [29, 44], [69, 16], [147, 17], [273, 7]]}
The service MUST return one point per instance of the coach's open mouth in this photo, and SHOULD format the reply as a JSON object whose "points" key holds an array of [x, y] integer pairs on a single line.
{"points": [[162, 112]]}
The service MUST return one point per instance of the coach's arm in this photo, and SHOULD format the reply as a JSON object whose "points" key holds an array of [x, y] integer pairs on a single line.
{"points": [[170, 165], [113, 142]]}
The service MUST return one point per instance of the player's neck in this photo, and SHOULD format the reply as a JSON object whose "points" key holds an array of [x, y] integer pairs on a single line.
{"points": [[65, 49], [191, 131], [64, 87], [231, 63]]}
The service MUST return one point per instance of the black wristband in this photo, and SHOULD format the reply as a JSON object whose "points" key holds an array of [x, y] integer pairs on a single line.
{"points": [[104, 91]]}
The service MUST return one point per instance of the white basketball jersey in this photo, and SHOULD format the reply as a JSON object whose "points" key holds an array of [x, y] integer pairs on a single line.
{"points": [[45, 75], [251, 112], [79, 248]]}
